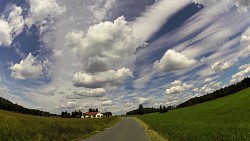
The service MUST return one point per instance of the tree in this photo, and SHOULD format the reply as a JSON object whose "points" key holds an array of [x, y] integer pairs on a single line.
{"points": [[108, 114], [140, 110], [160, 109], [164, 109]]}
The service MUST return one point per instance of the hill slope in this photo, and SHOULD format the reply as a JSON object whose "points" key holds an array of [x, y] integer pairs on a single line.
{"points": [[20, 127], [222, 119]]}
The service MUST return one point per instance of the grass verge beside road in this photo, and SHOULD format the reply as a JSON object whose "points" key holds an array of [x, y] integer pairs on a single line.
{"points": [[20, 127], [224, 119], [154, 136]]}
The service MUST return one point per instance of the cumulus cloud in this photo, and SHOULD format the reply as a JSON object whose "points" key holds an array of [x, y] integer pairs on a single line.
{"points": [[176, 83], [68, 106], [43, 12], [98, 92], [107, 103], [173, 61], [209, 79], [29, 68], [101, 79], [221, 66], [100, 8], [5, 33], [143, 100], [195, 90], [129, 104], [244, 72], [104, 44], [242, 5], [210, 87], [245, 42], [177, 87], [11, 27]]}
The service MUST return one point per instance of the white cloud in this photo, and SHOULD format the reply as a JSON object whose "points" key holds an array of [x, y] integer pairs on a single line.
{"points": [[176, 83], [129, 104], [101, 79], [242, 5], [244, 72], [107, 103], [221, 66], [173, 61], [16, 21], [177, 87], [11, 27], [245, 42], [210, 87], [28, 68], [100, 8], [107, 43], [151, 22], [195, 90], [209, 79], [142, 100], [206, 2], [5, 30], [68, 106], [98, 92], [43, 12]]}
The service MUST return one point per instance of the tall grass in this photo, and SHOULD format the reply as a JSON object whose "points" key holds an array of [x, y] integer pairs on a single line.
{"points": [[19, 127], [224, 119]]}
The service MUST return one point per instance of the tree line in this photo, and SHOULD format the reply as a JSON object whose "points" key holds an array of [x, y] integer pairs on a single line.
{"points": [[141, 110], [79, 114], [74, 114], [9, 106], [245, 83]]}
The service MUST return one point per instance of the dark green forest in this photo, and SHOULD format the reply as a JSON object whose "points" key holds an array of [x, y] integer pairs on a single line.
{"points": [[141, 110], [196, 100], [9, 106], [217, 94]]}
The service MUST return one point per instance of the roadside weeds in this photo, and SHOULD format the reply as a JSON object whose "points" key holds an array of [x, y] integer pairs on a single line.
{"points": [[154, 136]]}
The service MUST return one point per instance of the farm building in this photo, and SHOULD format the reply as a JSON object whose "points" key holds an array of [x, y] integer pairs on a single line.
{"points": [[92, 115]]}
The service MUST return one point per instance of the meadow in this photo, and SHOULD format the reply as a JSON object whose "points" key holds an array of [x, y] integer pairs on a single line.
{"points": [[224, 119], [20, 127]]}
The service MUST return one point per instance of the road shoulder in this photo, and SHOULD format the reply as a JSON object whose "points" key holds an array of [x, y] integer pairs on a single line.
{"points": [[154, 136]]}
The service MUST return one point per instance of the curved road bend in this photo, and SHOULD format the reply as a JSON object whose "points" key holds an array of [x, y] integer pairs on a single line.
{"points": [[127, 130]]}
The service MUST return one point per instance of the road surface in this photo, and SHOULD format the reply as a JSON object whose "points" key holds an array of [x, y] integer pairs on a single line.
{"points": [[127, 130]]}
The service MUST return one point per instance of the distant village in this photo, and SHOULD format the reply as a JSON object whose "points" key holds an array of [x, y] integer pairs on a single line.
{"points": [[92, 113]]}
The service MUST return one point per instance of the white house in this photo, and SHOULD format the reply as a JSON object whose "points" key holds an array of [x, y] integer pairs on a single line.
{"points": [[92, 115]]}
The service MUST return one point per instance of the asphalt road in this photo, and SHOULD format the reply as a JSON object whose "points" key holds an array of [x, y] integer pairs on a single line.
{"points": [[127, 130]]}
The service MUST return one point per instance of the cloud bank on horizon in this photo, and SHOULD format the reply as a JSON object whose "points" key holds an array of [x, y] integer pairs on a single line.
{"points": [[68, 55]]}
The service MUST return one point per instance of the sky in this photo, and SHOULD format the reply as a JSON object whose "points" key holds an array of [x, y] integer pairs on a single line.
{"points": [[58, 55]]}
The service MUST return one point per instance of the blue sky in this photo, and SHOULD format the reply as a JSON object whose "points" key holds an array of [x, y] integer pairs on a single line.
{"points": [[114, 55]]}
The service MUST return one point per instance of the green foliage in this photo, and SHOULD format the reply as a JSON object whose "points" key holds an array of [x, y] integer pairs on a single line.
{"points": [[107, 114], [224, 119], [217, 94], [20, 127], [141, 110], [93, 110], [74, 114], [9, 106]]}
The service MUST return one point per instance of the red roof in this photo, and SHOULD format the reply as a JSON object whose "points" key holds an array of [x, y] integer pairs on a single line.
{"points": [[91, 113]]}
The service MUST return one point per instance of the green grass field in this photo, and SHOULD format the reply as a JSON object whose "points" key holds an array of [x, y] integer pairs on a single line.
{"points": [[19, 127], [224, 119]]}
